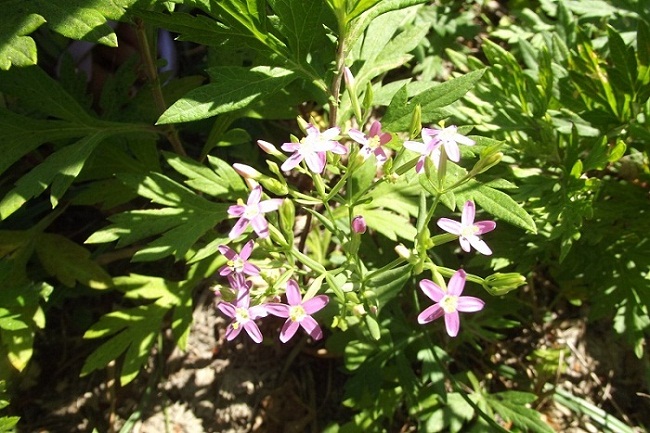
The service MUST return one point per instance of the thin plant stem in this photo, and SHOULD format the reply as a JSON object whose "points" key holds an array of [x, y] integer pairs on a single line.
{"points": [[156, 88]]}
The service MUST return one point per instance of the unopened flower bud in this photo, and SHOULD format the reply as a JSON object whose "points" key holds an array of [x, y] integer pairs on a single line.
{"points": [[403, 252], [359, 224], [349, 78], [358, 310], [268, 147], [484, 164], [246, 171], [499, 284]]}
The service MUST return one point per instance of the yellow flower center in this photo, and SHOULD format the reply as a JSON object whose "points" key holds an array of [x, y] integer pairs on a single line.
{"points": [[297, 313], [374, 142], [449, 303], [241, 317]]}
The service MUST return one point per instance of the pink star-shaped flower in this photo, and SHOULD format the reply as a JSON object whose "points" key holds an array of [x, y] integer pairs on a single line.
{"points": [[449, 138], [468, 230], [298, 313], [238, 266], [448, 303], [244, 317], [313, 149], [253, 213], [373, 142]]}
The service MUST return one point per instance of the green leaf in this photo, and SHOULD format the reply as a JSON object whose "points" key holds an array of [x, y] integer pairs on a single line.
{"points": [[136, 330], [511, 405], [387, 284], [37, 90], [218, 182], [388, 223], [432, 101], [186, 219], [70, 262], [22, 134], [18, 49], [302, 23], [234, 88], [497, 203], [59, 170]]}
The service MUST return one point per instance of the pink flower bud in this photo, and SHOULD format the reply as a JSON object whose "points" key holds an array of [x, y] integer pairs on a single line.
{"points": [[359, 224], [268, 147], [246, 171], [349, 78]]}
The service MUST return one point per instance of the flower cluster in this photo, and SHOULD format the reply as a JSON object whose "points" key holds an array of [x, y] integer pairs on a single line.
{"points": [[312, 152]]}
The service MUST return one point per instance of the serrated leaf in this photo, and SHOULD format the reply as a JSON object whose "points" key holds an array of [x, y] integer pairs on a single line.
{"points": [[136, 330], [234, 88], [37, 90], [200, 177], [511, 405], [497, 203], [398, 116], [70, 262], [59, 170], [22, 134], [19, 49]]}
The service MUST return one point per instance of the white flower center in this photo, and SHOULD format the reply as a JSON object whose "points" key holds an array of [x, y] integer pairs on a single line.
{"points": [[297, 313], [469, 231], [251, 211], [449, 303]]}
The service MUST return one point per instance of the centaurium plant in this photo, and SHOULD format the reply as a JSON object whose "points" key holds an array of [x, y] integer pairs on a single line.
{"points": [[313, 150]]}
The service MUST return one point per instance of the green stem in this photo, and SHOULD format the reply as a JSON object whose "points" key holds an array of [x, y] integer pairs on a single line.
{"points": [[147, 50]]}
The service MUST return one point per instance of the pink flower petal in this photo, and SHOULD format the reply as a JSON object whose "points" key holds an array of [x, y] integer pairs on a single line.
{"points": [[339, 149], [232, 332], [236, 210], [450, 226], [251, 269], [415, 146], [315, 304], [227, 308], [246, 250], [331, 133], [316, 161], [292, 162], [430, 314], [270, 205], [224, 271], [375, 129], [485, 226], [258, 311], [253, 331], [255, 196], [358, 136], [452, 150], [469, 304], [290, 147], [260, 226], [452, 323], [459, 138], [227, 251], [432, 290], [311, 326], [469, 212], [480, 245], [238, 228], [280, 310], [419, 167], [288, 330], [293, 293], [464, 244], [456, 284]]}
